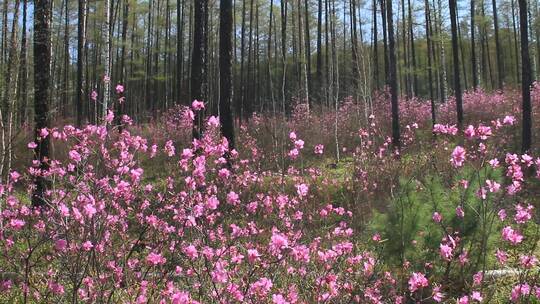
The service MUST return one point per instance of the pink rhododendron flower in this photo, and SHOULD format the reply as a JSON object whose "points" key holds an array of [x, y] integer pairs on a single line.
{"points": [[293, 154], [233, 198], [155, 259], [191, 252], [478, 278], [261, 287], [87, 246], [279, 241], [60, 245], [119, 89], [460, 212], [509, 120], [213, 121], [299, 144], [502, 215], [469, 132], [512, 236], [417, 281], [56, 288], [197, 105], [528, 261], [464, 258], [458, 157], [94, 96], [437, 217], [302, 190], [493, 186], [519, 290], [501, 256], [437, 295], [446, 252], [17, 224], [523, 215], [43, 133], [292, 136], [74, 156], [463, 300], [169, 148]]}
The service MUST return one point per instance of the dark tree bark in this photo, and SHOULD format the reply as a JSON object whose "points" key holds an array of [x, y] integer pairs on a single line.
{"points": [[42, 68], [462, 53], [81, 37], [283, 53], [307, 52], [375, 48], [4, 48], [179, 49], [455, 55], [199, 61], [225, 71], [123, 78], [355, 70], [319, 45], [148, 92], [473, 47], [516, 47], [65, 81], [269, 59], [23, 76], [106, 61], [406, 68], [429, 61], [248, 100], [10, 79], [392, 77], [526, 78], [241, 97], [385, 41], [413, 51], [498, 49]]}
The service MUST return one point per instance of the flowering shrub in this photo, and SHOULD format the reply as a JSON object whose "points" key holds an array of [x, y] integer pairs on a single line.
{"points": [[160, 219]]}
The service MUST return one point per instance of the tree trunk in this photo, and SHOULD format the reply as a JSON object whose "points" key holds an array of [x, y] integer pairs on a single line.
{"points": [[473, 47], [429, 60], [308, 53], [199, 61], [385, 41], [413, 51], [375, 48], [498, 49], [392, 77], [225, 71], [319, 46], [81, 37], [283, 53], [179, 49], [42, 69], [241, 97], [516, 52], [269, 59], [455, 55], [123, 78], [8, 102], [525, 78], [65, 80], [23, 77], [106, 60]]}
